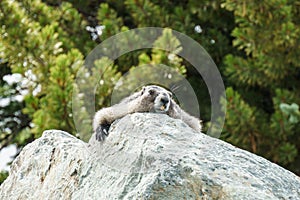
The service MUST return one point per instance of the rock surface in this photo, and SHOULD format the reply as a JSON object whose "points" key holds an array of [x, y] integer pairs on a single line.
{"points": [[146, 156]]}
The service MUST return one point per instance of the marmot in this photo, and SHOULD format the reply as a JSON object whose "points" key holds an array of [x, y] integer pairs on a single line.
{"points": [[150, 98]]}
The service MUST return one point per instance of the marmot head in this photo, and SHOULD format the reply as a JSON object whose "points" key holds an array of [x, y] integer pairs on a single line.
{"points": [[158, 98]]}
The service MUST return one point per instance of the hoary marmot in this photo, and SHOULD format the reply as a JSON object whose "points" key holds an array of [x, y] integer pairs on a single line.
{"points": [[150, 98]]}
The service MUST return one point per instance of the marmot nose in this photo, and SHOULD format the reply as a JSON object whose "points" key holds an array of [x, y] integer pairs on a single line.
{"points": [[164, 100]]}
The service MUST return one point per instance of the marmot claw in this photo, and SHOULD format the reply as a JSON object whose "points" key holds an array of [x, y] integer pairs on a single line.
{"points": [[102, 132]]}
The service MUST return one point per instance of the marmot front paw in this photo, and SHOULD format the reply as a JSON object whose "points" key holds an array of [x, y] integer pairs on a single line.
{"points": [[102, 132]]}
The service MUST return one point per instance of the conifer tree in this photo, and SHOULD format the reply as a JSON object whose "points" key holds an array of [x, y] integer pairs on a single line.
{"points": [[263, 110]]}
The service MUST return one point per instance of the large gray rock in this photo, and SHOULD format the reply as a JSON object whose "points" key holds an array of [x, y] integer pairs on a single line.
{"points": [[146, 156]]}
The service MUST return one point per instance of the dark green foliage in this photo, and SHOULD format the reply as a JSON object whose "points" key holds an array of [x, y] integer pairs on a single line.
{"points": [[13, 122], [263, 111], [3, 176]]}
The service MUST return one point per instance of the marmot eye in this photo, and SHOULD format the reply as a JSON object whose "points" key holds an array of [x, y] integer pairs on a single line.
{"points": [[151, 92]]}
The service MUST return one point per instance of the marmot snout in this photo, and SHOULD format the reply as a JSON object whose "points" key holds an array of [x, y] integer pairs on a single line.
{"points": [[162, 103]]}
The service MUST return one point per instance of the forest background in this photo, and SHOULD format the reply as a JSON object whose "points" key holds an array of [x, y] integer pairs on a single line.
{"points": [[255, 44]]}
